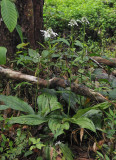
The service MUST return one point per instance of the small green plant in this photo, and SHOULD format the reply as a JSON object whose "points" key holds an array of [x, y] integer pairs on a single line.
{"points": [[110, 123], [49, 110], [36, 143], [108, 149], [12, 149]]}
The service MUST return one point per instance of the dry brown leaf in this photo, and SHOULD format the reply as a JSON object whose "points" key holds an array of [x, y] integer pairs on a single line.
{"points": [[100, 143], [58, 158], [95, 147], [51, 152], [81, 134], [8, 89]]}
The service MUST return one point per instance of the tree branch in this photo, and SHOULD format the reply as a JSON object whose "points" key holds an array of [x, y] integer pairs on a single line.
{"points": [[54, 82], [110, 61]]}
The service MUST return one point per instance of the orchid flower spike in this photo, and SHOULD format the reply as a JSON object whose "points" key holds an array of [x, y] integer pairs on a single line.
{"points": [[73, 22], [49, 33]]}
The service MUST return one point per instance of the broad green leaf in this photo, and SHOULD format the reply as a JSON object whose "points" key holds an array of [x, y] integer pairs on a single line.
{"points": [[61, 40], [39, 146], [113, 83], [106, 157], [45, 53], [112, 94], [40, 158], [112, 113], [69, 97], [47, 151], [83, 122], [95, 116], [28, 119], [1, 118], [28, 153], [81, 112], [57, 126], [19, 30], [22, 45], [49, 91], [47, 103], [32, 53], [100, 154], [3, 51], [66, 151], [16, 104], [3, 107], [9, 14], [100, 106], [81, 70], [78, 43]]}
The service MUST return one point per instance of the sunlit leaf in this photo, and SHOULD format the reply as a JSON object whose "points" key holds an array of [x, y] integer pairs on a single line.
{"points": [[22, 45]]}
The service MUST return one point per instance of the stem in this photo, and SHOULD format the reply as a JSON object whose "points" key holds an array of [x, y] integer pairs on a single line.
{"points": [[37, 87], [83, 42], [72, 41]]}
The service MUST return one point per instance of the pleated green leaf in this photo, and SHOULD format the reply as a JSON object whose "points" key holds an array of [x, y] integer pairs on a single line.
{"points": [[9, 14], [47, 103], [57, 126], [16, 104], [67, 154], [28, 119], [19, 30], [84, 122]]}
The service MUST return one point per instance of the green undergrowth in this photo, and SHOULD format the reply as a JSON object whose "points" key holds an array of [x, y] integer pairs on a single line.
{"points": [[101, 15], [45, 124]]}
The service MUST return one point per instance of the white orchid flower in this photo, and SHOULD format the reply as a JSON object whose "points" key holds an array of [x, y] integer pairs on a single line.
{"points": [[49, 33]]}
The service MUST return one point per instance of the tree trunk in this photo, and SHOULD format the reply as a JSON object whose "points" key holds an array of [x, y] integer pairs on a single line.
{"points": [[31, 21]]}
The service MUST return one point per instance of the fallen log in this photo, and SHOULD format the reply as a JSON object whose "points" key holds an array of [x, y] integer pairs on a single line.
{"points": [[55, 82], [110, 61]]}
